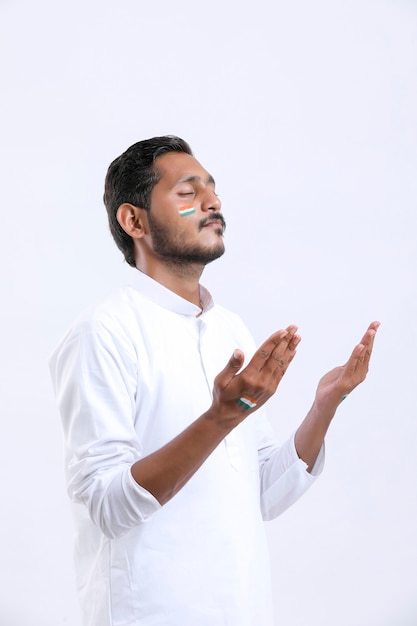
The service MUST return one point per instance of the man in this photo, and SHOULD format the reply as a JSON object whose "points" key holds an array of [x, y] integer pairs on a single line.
{"points": [[171, 463]]}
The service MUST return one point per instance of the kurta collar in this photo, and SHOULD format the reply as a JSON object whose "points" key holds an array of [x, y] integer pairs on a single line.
{"points": [[166, 298]]}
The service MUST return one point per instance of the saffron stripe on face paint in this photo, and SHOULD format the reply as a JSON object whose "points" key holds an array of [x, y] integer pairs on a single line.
{"points": [[187, 210]]}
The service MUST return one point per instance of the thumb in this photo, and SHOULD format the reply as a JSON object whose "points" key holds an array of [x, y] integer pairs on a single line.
{"points": [[236, 360], [233, 366]]}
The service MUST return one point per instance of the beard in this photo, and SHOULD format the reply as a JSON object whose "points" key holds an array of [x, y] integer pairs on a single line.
{"points": [[171, 247]]}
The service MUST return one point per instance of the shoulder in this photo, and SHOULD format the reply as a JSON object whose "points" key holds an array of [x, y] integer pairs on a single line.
{"points": [[109, 313], [109, 319]]}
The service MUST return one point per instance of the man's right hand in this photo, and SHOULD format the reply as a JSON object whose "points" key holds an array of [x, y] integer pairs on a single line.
{"points": [[257, 382]]}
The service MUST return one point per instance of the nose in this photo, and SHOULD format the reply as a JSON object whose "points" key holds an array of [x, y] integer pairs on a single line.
{"points": [[211, 202]]}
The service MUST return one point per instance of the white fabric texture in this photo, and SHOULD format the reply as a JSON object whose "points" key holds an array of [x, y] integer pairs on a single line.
{"points": [[129, 376]]}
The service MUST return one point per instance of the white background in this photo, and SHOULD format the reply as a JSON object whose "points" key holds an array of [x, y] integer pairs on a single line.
{"points": [[306, 114]]}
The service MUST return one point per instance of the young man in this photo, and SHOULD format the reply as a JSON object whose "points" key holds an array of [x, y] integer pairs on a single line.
{"points": [[171, 463]]}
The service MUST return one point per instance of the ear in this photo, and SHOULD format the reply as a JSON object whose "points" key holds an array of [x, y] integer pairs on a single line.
{"points": [[133, 220]]}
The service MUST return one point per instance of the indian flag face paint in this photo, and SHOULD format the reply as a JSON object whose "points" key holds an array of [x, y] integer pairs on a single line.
{"points": [[186, 210]]}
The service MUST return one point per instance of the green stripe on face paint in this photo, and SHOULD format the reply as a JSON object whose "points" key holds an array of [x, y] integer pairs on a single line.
{"points": [[184, 212]]}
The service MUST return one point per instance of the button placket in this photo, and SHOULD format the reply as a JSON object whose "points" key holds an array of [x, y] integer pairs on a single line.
{"points": [[232, 441]]}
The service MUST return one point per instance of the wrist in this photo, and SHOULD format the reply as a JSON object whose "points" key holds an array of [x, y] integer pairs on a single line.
{"points": [[223, 420], [323, 411]]}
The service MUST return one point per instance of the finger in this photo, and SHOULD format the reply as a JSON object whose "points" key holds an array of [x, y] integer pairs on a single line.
{"points": [[278, 364], [370, 333], [294, 338], [356, 368], [375, 325], [357, 356], [362, 352], [292, 329], [294, 342], [283, 354], [367, 343], [263, 354]]}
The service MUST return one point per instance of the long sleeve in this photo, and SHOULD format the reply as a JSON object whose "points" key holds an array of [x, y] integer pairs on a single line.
{"points": [[95, 384], [283, 475], [284, 478]]}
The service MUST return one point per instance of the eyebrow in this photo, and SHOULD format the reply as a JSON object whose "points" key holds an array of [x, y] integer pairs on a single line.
{"points": [[196, 179]]}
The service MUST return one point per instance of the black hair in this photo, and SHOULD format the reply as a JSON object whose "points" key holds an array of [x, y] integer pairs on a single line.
{"points": [[131, 178]]}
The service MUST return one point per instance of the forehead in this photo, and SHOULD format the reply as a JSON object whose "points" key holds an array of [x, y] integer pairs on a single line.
{"points": [[177, 167]]}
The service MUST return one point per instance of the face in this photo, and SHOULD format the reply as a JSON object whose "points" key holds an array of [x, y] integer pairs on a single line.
{"points": [[185, 222]]}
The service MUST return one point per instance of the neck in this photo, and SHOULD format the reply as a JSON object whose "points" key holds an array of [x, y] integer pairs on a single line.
{"points": [[183, 279]]}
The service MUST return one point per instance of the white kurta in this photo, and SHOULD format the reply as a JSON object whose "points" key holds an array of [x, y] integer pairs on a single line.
{"points": [[129, 376]]}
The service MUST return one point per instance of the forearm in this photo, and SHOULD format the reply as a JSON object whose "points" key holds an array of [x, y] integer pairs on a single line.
{"points": [[164, 472], [309, 437]]}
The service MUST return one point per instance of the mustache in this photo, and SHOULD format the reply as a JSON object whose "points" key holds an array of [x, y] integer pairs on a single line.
{"points": [[213, 218]]}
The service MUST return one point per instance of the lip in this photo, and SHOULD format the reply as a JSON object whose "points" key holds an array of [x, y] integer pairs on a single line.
{"points": [[214, 223]]}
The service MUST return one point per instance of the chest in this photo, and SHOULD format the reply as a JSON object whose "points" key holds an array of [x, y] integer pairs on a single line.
{"points": [[178, 358]]}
